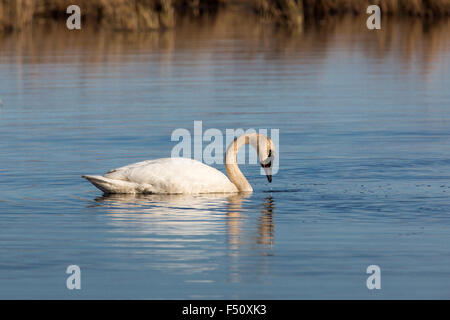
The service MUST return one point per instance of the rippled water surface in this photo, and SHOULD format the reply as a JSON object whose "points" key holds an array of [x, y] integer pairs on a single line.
{"points": [[364, 120]]}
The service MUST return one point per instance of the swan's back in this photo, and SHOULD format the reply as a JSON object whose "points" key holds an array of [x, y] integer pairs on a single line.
{"points": [[164, 176]]}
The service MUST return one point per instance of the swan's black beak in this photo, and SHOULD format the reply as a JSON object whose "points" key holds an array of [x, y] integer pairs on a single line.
{"points": [[268, 169]]}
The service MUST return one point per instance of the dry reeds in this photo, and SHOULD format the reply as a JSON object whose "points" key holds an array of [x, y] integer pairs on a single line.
{"points": [[158, 14]]}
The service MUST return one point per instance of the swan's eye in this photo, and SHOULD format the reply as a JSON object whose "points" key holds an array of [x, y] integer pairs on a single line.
{"points": [[268, 162]]}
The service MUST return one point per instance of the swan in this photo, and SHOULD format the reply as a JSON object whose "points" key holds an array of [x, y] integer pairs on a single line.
{"points": [[187, 176]]}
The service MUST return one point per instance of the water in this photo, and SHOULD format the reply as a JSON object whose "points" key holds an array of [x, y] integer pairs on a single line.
{"points": [[364, 161]]}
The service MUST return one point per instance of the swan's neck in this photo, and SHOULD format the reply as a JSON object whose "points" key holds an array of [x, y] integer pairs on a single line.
{"points": [[233, 171]]}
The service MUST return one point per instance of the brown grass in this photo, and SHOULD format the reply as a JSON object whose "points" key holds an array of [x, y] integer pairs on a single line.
{"points": [[158, 14], [15, 14], [282, 12]]}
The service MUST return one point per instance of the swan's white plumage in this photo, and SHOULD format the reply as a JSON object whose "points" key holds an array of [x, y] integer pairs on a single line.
{"points": [[164, 176], [186, 176]]}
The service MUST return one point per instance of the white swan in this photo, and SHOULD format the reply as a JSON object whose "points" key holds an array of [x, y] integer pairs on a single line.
{"points": [[187, 176]]}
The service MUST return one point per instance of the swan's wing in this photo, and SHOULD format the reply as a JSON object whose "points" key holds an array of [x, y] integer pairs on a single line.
{"points": [[174, 175]]}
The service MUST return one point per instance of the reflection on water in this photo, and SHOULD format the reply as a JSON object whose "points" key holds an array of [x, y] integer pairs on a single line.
{"points": [[417, 41], [260, 243], [234, 220], [266, 224], [364, 159], [179, 227]]}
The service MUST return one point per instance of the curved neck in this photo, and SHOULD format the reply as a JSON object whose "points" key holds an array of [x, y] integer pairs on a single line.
{"points": [[233, 171]]}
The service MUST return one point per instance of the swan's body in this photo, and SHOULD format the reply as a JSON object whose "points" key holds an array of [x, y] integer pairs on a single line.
{"points": [[183, 175], [164, 176]]}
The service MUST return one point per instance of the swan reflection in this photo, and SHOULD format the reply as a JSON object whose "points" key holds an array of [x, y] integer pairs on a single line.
{"points": [[265, 223], [185, 233]]}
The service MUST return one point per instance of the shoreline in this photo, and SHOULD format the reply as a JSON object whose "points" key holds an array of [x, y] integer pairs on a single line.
{"points": [[146, 15]]}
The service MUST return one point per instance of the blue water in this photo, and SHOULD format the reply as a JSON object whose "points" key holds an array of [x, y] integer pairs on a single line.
{"points": [[364, 131]]}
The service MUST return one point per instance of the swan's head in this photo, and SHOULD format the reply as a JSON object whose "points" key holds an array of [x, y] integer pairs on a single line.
{"points": [[266, 154], [265, 150]]}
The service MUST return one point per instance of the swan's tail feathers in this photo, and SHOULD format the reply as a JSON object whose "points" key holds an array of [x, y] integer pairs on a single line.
{"points": [[111, 185]]}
